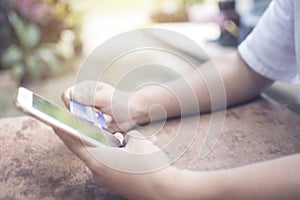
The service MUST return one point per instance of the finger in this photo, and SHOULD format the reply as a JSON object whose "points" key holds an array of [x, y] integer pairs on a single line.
{"points": [[136, 136], [114, 127], [104, 96], [92, 93], [151, 154], [138, 143], [103, 100], [67, 95], [108, 118]]}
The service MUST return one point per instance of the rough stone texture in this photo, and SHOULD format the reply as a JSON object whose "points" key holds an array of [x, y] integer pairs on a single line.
{"points": [[35, 164]]}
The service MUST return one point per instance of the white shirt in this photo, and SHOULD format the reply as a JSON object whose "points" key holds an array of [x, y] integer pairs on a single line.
{"points": [[273, 47]]}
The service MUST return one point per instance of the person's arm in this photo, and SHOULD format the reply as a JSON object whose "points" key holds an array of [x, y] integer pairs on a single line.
{"points": [[229, 79], [272, 180], [240, 83], [277, 179]]}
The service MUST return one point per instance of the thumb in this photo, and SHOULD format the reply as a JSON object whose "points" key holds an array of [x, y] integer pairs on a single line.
{"points": [[145, 156], [136, 142]]}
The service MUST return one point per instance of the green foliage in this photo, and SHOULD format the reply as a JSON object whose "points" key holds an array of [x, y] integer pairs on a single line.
{"points": [[28, 35], [32, 63], [18, 71], [48, 56], [36, 47], [12, 55]]}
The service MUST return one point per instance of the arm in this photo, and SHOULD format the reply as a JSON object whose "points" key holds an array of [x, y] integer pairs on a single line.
{"points": [[228, 77], [240, 83], [277, 179]]}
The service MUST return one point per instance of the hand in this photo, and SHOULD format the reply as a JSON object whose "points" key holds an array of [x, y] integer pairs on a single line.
{"points": [[122, 110], [128, 184]]}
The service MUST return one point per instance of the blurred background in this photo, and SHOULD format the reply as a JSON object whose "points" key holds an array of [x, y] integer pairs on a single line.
{"points": [[43, 42]]}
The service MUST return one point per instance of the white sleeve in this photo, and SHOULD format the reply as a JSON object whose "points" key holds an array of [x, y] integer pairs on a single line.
{"points": [[270, 48]]}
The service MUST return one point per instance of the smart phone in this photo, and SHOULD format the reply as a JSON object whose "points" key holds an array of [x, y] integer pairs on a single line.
{"points": [[89, 113], [55, 116]]}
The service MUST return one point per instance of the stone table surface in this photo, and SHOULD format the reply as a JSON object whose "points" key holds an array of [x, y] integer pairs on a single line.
{"points": [[35, 164]]}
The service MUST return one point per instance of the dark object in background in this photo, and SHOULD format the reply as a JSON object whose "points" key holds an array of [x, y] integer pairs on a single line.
{"points": [[249, 20], [230, 27], [236, 27]]}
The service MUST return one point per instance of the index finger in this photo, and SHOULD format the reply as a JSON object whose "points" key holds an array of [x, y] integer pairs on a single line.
{"points": [[67, 95]]}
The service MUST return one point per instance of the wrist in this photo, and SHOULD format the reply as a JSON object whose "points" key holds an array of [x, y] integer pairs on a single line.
{"points": [[193, 185]]}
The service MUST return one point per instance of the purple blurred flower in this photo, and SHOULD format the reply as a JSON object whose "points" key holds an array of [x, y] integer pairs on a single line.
{"points": [[33, 10]]}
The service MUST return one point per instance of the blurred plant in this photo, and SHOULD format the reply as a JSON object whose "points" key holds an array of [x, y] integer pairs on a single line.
{"points": [[173, 11], [184, 3], [38, 36]]}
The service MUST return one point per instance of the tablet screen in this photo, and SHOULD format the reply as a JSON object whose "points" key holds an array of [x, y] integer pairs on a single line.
{"points": [[67, 118]]}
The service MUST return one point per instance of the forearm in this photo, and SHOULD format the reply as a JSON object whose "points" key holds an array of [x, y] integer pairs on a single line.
{"points": [[196, 185], [216, 84], [276, 179]]}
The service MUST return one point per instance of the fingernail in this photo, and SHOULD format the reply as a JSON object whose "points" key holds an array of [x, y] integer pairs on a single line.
{"points": [[107, 118]]}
